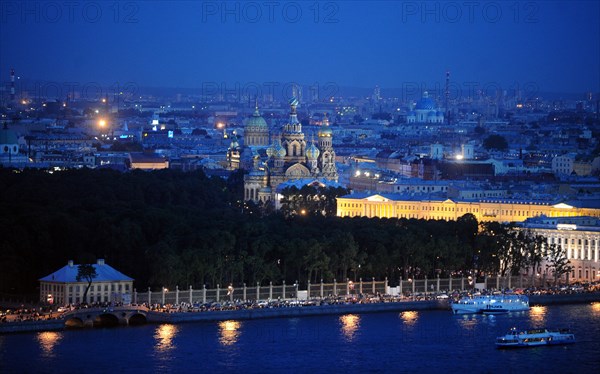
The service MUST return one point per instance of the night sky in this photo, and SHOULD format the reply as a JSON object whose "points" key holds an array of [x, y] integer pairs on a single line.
{"points": [[555, 45]]}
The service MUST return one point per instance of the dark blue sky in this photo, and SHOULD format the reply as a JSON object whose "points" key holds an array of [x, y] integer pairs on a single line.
{"points": [[553, 45]]}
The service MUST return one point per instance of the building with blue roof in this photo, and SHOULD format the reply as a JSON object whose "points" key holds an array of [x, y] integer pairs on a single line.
{"points": [[425, 111], [62, 287]]}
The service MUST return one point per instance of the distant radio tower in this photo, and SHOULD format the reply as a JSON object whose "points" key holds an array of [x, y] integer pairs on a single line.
{"points": [[12, 84], [447, 97]]}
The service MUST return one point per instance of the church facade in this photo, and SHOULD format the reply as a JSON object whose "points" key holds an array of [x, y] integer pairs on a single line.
{"points": [[291, 157], [425, 111]]}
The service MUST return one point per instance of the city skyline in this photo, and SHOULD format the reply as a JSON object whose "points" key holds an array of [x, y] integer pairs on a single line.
{"points": [[552, 46]]}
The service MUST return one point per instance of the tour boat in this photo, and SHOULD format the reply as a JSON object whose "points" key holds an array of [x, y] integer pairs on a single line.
{"points": [[534, 338], [491, 304]]}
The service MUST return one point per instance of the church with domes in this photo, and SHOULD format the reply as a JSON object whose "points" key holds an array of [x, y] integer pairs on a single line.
{"points": [[256, 131], [290, 158], [425, 111]]}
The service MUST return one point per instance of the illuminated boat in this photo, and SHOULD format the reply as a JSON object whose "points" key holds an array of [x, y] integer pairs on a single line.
{"points": [[534, 338], [491, 304]]}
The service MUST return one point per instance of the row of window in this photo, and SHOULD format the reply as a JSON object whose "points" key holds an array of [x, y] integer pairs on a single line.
{"points": [[98, 288], [587, 273], [565, 241], [421, 188], [97, 298], [583, 255]]}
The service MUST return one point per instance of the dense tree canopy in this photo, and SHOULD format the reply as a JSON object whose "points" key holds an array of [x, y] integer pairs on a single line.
{"points": [[167, 228]]}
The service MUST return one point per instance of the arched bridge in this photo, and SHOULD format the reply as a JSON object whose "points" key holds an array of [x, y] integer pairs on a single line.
{"points": [[106, 316]]}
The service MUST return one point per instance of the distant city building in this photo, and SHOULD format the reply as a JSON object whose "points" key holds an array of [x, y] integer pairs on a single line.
{"points": [[578, 236], [437, 151], [148, 161], [233, 153], [291, 158], [9, 146], [62, 287], [424, 206], [563, 165], [426, 111], [468, 151]]}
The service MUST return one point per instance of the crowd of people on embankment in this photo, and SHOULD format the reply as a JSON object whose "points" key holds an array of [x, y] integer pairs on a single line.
{"points": [[25, 314], [54, 312], [185, 307]]}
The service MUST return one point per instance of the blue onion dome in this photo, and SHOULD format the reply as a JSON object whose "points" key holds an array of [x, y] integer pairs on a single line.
{"points": [[425, 103], [256, 120], [439, 113], [431, 113], [312, 152], [412, 113], [281, 152], [271, 150]]}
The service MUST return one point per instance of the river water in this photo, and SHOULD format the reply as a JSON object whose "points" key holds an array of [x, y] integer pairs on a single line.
{"points": [[424, 342]]}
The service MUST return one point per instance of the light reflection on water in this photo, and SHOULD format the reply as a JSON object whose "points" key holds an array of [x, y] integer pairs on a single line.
{"points": [[409, 318], [423, 341], [229, 332], [48, 340], [537, 315], [350, 324], [595, 308], [164, 338], [468, 321]]}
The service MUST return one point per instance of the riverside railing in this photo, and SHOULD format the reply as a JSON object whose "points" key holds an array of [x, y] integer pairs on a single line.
{"points": [[283, 291]]}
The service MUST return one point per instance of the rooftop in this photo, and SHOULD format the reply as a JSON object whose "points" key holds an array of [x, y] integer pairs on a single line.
{"points": [[68, 274]]}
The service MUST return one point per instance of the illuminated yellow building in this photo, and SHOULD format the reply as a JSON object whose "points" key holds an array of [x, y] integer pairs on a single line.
{"points": [[148, 161], [421, 207]]}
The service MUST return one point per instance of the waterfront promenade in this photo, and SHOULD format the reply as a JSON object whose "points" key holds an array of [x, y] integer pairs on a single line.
{"points": [[140, 314]]}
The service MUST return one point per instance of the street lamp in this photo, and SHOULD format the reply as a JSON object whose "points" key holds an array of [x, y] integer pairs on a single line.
{"points": [[230, 292]]}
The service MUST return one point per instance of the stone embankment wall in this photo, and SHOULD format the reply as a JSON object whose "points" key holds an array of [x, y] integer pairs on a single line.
{"points": [[245, 314], [575, 298], [30, 326]]}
